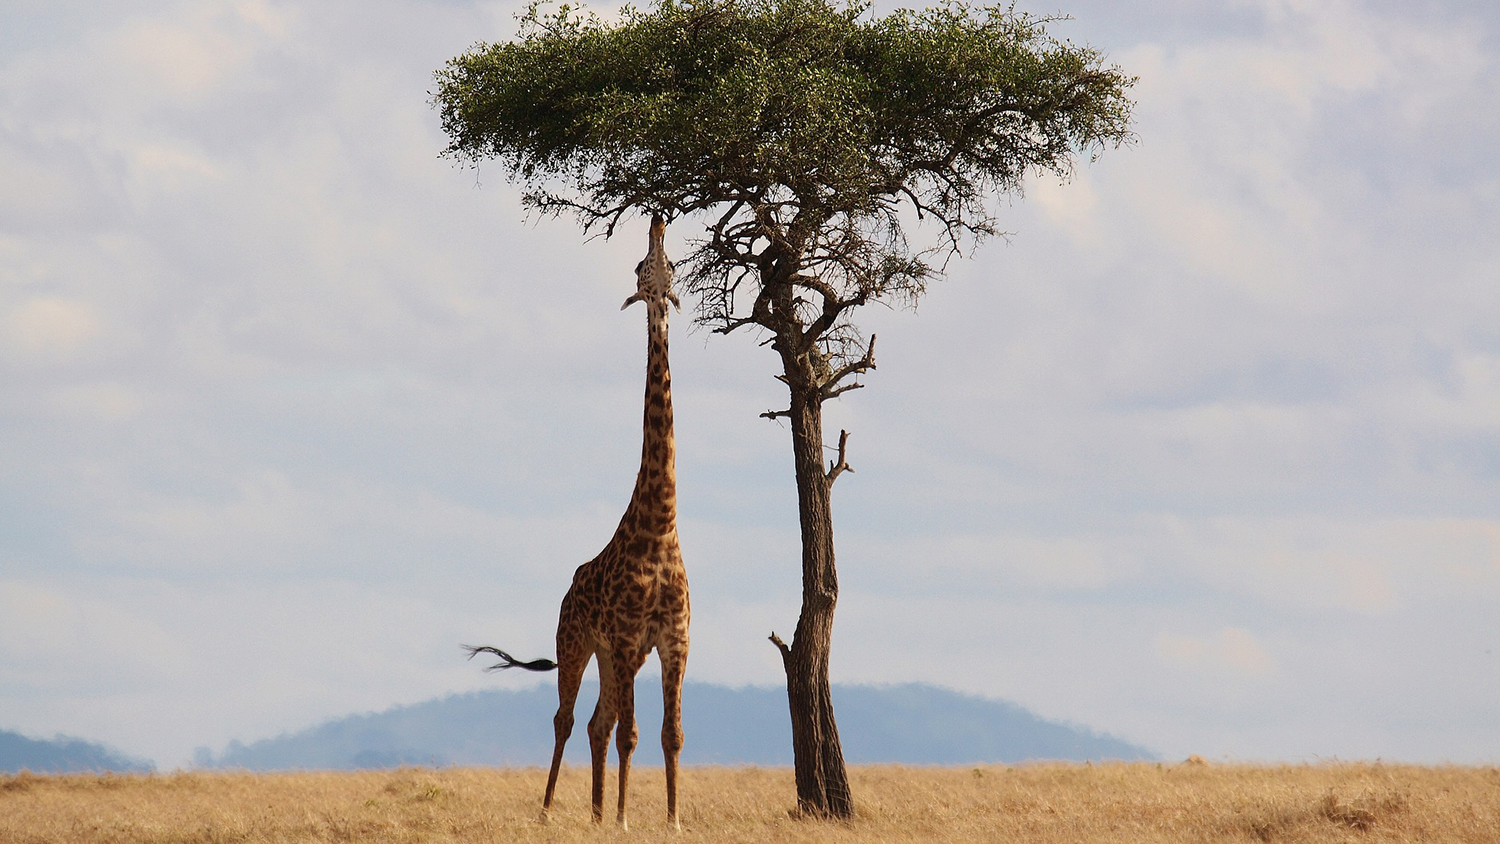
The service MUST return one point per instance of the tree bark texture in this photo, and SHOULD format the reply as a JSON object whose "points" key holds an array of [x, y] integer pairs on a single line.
{"points": [[822, 782]]}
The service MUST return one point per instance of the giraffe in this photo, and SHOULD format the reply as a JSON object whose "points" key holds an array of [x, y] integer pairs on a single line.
{"points": [[633, 596]]}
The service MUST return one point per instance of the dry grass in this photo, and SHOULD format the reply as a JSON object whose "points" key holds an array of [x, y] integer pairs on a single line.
{"points": [[1040, 803]]}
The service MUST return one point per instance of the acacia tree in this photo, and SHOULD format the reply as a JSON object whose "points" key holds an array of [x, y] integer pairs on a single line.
{"points": [[807, 136]]}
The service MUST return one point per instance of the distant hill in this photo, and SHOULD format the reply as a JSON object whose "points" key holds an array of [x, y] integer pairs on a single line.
{"points": [[62, 755], [911, 724]]}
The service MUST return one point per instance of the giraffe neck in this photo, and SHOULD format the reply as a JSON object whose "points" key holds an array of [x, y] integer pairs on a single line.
{"points": [[654, 502]]}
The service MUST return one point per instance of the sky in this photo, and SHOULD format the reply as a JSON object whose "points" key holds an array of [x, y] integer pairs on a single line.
{"points": [[1205, 453]]}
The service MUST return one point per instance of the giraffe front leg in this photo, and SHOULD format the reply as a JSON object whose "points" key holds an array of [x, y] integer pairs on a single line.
{"points": [[673, 667]]}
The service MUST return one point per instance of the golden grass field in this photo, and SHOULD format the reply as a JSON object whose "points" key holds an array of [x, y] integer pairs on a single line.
{"points": [[1030, 803]]}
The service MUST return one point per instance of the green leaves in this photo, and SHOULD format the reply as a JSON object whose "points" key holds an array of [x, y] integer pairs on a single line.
{"points": [[799, 128]]}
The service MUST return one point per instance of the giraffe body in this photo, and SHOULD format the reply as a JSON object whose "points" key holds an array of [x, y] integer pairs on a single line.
{"points": [[632, 597]]}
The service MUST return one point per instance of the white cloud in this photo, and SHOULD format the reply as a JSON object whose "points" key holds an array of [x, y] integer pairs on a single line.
{"points": [[1232, 649], [49, 636], [1070, 205], [50, 325], [108, 402], [989, 563]]}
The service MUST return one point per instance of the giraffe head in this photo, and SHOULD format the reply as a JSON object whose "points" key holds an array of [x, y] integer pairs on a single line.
{"points": [[653, 275]]}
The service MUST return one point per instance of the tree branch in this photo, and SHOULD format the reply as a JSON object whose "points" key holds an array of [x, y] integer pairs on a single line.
{"points": [[833, 308], [773, 414], [864, 364], [835, 393], [735, 324], [841, 465], [786, 652]]}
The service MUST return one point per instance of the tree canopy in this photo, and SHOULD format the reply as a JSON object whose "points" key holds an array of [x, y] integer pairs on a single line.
{"points": [[802, 129]]}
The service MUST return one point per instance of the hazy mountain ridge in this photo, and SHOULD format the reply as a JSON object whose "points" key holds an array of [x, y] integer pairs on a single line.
{"points": [[63, 754], [909, 723]]}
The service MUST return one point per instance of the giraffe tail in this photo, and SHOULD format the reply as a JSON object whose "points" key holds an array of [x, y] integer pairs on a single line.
{"points": [[508, 660]]}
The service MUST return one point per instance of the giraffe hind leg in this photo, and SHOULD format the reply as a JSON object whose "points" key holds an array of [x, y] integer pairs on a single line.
{"points": [[572, 660], [626, 735], [673, 667]]}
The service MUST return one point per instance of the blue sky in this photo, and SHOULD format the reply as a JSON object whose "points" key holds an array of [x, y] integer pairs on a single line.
{"points": [[1205, 454]]}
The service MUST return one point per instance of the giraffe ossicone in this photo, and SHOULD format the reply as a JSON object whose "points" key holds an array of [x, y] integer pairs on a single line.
{"points": [[633, 597]]}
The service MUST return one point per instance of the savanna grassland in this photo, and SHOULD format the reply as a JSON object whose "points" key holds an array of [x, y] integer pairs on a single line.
{"points": [[1031, 803]]}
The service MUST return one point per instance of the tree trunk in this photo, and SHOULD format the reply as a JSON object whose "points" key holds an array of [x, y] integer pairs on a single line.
{"points": [[822, 783]]}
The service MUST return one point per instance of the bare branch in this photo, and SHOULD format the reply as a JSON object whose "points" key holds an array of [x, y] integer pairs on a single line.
{"points": [[841, 465], [838, 391], [735, 324], [773, 414], [786, 652], [833, 308], [864, 364], [817, 285]]}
